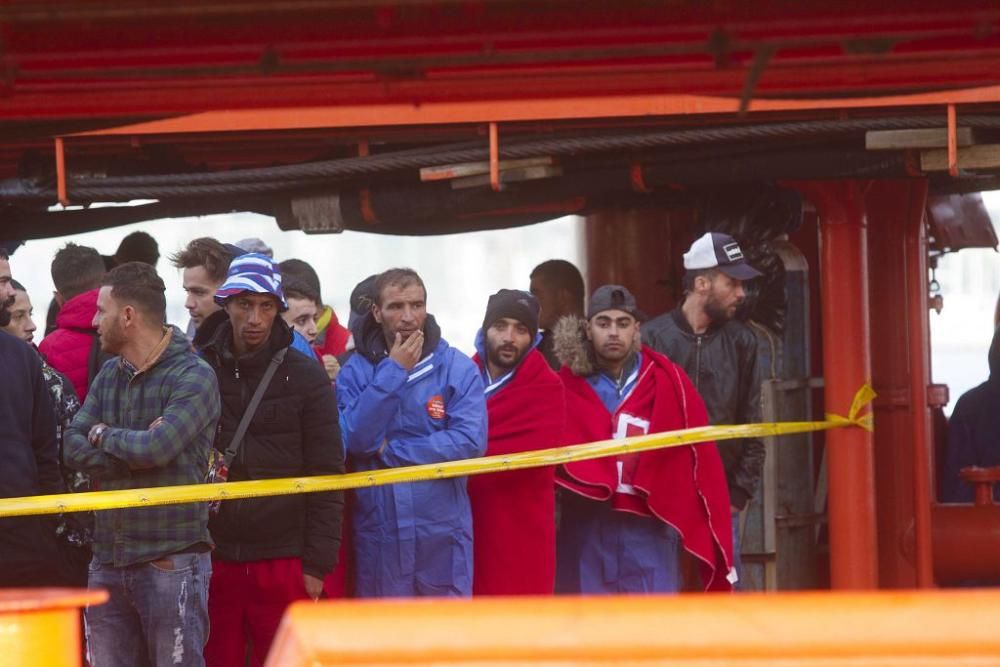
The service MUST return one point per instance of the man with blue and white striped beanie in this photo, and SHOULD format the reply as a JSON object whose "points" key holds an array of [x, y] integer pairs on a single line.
{"points": [[257, 273], [252, 272], [242, 296], [269, 551]]}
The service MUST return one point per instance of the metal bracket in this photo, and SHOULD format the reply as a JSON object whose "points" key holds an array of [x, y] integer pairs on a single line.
{"points": [[61, 192], [495, 158], [952, 142]]}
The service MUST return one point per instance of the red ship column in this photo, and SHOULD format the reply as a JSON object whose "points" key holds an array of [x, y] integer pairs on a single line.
{"points": [[847, 366]]}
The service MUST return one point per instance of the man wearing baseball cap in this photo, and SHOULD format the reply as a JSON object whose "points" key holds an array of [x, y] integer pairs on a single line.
{"points": [[719, 353], [269, 551], [513, 513], [626, 518]]}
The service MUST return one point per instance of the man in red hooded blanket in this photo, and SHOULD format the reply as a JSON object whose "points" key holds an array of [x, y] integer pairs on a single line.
{"points": [[513, 513], [626, 518]]}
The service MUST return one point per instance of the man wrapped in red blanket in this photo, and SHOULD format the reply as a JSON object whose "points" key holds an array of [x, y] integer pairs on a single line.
{"points": [[626, 518], [513, 512]]}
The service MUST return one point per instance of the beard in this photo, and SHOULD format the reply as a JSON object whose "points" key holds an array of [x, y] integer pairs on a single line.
{"points": [[718, 314], [5, 312], [112, 340], [493, 354]]}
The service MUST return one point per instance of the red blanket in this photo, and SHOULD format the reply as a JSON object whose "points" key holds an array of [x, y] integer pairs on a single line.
{"points": [[681, 486], [513, 513]]}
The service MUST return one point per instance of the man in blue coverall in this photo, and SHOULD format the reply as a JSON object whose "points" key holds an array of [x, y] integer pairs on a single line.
{"points": [[408, 398]]}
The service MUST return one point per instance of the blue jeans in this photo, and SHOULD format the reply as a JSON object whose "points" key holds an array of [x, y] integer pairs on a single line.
{"points": [[600, 550], [155, 616]]}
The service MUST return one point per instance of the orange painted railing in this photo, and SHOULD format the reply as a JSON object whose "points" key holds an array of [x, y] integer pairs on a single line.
{"points": [[909, 629]]}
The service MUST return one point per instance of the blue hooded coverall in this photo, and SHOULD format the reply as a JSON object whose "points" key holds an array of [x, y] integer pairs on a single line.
{"points": [[412, 539]]}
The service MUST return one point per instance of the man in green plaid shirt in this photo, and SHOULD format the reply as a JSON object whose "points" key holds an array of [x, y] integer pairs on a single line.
{"points": [[149, 420]]}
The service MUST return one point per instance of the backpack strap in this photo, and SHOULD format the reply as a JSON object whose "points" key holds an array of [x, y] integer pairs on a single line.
{"points": [[241, 430]]}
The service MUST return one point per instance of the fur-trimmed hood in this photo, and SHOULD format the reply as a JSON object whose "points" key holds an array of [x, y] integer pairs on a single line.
{"points": [[574, 349]]}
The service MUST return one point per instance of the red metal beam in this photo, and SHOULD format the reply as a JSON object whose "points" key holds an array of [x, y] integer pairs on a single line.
{"points": [[494, 157], [154, 58], [898, 294], [518, 110], [918, 328], [952, 141], [847, 365], [117, 99], [885, 205], [61, 172]]}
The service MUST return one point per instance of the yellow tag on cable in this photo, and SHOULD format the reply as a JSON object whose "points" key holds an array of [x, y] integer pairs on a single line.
{"points": [[168, 495]]}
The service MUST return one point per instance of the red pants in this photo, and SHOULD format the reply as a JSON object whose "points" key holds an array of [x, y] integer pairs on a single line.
{"points": [[339, 583], [245, 604]]}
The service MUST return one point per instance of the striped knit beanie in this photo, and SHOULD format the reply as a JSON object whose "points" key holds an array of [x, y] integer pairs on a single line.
{"points": [[252, 272]]}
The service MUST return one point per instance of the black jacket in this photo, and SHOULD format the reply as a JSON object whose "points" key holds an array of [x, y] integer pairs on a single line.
{"points": [[722, 363], [29, 453], [295, 432], [974, 433]]}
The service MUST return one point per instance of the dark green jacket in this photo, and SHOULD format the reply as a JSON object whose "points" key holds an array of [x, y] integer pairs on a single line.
{"points": [[179, 387]]}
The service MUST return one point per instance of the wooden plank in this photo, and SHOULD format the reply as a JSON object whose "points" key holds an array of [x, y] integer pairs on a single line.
{"points": [[889, 140], [508, 176], [983, 156], [461, 170]]}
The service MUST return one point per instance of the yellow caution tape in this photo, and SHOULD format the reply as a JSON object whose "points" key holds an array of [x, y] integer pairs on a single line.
{"points": [[168, 495]]}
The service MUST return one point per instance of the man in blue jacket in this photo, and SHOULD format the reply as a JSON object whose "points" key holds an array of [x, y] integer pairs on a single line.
{"points": [[408, 398]]}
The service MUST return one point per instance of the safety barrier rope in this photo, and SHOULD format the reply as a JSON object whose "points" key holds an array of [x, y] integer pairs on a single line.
{"points": [[168, 495]]}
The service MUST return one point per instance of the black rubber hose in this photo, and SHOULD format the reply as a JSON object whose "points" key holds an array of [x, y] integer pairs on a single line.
{"points": [[742, 169], [290, 177], [182, 191], [83, 188], [255, 174]]}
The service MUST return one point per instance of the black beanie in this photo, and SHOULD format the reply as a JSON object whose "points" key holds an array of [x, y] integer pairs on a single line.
{"points": [[363, 295], [515, 304], [362, 298]]}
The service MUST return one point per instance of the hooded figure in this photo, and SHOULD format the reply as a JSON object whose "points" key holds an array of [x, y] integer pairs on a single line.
{"points": [[974, 433], [69, 348], [627, 517], [408, 398]]}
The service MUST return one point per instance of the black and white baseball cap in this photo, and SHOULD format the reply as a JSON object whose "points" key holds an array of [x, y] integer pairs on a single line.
{"points": [[722, 252]]}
